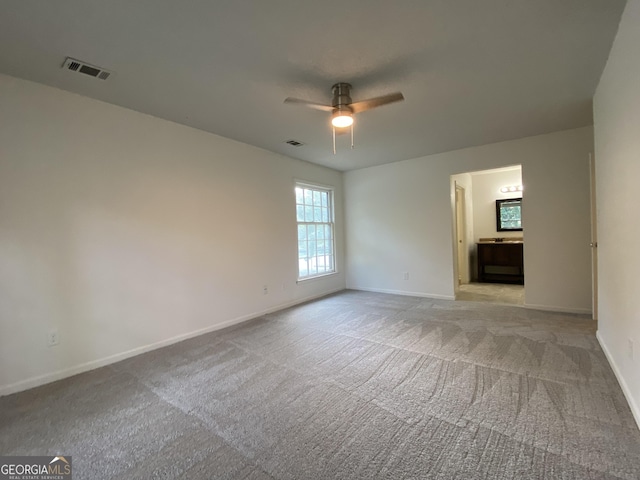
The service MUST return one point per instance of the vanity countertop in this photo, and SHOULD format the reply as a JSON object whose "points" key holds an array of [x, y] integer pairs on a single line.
{"points": [[500, 241]]}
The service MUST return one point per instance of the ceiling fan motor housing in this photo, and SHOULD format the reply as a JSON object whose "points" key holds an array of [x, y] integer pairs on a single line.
{"points": [[341, 96]]}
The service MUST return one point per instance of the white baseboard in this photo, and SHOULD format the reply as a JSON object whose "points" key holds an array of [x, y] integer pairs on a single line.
{"points": [[552, 308], [625, 388], [406, 294], [102, 362]]}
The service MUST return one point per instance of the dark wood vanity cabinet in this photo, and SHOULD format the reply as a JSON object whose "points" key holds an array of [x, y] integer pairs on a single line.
{"points": [[501, 262]]}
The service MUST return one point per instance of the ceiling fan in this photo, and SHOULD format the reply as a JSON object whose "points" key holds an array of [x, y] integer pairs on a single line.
{"points": [[342, 108]]}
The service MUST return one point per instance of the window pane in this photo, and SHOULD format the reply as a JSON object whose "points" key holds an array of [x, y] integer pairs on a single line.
{"points": [[300, 213], [308, 196], [313, 269], [319, 232], [302, 232], [299, 195], [303, 268], [302, 249], [329, 248], [316, 197], [308, 214], [329, 260], [325, 215], [317, 214]]}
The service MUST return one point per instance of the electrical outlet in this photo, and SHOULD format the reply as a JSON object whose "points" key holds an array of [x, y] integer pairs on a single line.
{"points": [[405, 275], [53, 338], [265, 289], [631, 349]]}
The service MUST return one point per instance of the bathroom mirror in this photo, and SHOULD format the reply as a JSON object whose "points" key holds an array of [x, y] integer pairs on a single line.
{"points": [[509, 215]]}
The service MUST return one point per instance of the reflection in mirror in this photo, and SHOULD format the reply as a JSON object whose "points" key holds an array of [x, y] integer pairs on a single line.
{"points": [[509, 215]]}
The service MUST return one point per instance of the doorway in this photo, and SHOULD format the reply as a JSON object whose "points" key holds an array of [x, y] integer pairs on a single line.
{"points": [[474, 198]]}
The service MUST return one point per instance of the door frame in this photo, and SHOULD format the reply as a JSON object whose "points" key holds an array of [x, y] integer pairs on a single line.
{"points": [[594, 237]]}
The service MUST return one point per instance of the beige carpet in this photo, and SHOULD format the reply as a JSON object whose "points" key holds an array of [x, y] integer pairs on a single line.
{"points": [[356, 385], [491, 292]]}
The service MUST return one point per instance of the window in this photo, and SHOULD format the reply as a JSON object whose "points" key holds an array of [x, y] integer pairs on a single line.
{"points": [[316, 248]]}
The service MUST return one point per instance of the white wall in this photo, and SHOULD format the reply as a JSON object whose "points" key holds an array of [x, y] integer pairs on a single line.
{"points": [[124, 232], [486, 190], [617, 123], [399, 218]]}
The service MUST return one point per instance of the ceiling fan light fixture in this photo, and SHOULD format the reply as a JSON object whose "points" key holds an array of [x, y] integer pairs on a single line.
{"points": [[342, 119]]}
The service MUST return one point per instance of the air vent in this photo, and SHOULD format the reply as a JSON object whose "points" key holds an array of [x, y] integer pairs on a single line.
{"points": [[73, 65], [86, 68], [294, 143]]}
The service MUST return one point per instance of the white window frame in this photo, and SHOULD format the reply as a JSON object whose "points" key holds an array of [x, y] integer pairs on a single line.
{"points": [[312, 263]]}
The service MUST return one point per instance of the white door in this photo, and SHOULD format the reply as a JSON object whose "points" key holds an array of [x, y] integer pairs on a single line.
{"points": [[461, 244], [594, 238]]}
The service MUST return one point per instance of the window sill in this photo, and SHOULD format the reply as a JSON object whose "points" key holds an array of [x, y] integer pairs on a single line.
{"points": [[316, 277]]}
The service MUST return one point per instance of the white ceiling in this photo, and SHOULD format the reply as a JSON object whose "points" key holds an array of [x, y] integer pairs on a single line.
{"points": [[472, 72]]}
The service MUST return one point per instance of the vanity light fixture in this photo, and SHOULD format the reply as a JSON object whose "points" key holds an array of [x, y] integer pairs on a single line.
{"points": [[511, 189]]}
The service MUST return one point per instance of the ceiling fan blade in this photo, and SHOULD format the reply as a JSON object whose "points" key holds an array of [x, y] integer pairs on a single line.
{"points": [[357, 107], [307, 103]]}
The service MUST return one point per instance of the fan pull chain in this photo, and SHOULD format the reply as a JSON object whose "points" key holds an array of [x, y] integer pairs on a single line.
{"points": [[352, 136], [333, 129]]}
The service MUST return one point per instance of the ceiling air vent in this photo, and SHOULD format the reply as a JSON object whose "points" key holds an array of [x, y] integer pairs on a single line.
{"points": [[294, 143], [83, 67]]}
